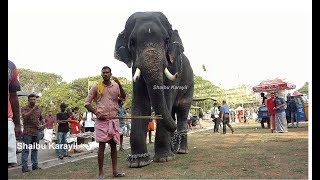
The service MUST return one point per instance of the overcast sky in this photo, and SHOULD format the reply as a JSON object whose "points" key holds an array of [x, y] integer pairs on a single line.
{"points": [[238, 41]]}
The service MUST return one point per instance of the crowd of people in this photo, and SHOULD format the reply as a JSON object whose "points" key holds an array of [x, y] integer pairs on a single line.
{"points": [[277, 105], [101, 117]]}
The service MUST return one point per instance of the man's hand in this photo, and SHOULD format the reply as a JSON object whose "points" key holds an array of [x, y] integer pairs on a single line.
{"points": [[18, 132], [100, 116], [35, 107]]}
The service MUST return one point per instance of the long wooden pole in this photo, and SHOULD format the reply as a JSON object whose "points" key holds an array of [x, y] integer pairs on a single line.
{"points": [[133, 117]]}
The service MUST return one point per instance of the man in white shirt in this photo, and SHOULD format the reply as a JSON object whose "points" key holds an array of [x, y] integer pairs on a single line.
{"points": [[88, 118], [215, 117]]}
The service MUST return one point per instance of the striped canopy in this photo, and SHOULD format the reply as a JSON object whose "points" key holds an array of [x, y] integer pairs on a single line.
{"points": [[271, 85]]}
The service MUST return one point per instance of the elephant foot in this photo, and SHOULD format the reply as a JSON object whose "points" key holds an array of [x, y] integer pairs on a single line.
{"points": [[180, 142], [139, 160], [163, 158]]}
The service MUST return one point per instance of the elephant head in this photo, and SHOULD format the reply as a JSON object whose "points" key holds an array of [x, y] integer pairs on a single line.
{"points": [[148, 44]]}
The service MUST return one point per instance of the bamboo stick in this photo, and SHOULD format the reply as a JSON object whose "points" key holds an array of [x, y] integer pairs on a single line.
{"points": [[133, 117]]}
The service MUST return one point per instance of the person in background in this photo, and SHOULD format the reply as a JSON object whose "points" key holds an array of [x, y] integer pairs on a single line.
{"points": [[89, 121], [122, 123], [14, 124], [200, 117], [128, 123], [151, 126], [263, 120], [272, 112], [263, 97], [215, 116], [32, 118], [48, 132], [224, 111], [233, 115], [280, 117], [63, 119], [75, 119], [106, 94], [292, 108]]}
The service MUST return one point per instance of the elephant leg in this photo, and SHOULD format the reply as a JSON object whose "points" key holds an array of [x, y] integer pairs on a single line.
{"points": [[180, 138], [139, 156], [162, 146]]}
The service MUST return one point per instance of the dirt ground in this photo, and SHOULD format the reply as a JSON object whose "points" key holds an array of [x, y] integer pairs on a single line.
{"points": [[250, 153]]}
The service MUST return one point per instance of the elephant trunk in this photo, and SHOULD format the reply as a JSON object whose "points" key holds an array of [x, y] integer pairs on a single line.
{"points": [[152, 70], [159, 104]]}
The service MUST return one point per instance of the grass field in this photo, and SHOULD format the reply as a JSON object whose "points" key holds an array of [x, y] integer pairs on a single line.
{"points": [[249, 153]]}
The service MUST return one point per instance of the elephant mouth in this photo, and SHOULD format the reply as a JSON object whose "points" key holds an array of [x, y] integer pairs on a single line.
{"points": [[166, 72]]}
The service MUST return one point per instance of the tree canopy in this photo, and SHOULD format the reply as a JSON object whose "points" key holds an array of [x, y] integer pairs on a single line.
{"points": [[55, 91]]}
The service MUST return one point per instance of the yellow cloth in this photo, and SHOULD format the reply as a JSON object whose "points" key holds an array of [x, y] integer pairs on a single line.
{"points": [[101, 87]]}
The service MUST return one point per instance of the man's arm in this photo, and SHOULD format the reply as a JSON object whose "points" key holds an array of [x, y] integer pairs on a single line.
{"points": [[122, 93], [16, 113], [26, 115]]}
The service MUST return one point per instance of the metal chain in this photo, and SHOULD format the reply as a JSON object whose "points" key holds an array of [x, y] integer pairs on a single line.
{"points": [[178, 137]]}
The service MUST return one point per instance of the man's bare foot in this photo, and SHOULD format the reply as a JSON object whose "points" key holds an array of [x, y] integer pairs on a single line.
{"points": [[101, 176]]}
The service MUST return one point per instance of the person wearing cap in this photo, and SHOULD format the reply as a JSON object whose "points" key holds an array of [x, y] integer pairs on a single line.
{"points": [[62, 119], [106, 94], [32, 122]]}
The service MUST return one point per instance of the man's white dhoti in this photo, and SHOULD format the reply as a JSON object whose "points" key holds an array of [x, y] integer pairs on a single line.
{"points": [[12, 146], [48, 135]]}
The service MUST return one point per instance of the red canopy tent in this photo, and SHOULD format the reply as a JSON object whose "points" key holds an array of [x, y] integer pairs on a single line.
{"points": [[297, 93], [270, 85]]}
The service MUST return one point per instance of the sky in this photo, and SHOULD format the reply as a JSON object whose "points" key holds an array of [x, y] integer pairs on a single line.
{"points": [[238, 41]]}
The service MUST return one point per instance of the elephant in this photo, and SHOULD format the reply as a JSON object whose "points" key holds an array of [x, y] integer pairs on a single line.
{"points": [[153, 49]]}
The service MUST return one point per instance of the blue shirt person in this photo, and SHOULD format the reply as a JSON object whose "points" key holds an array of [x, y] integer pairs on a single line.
{"points": [[225, 111]]}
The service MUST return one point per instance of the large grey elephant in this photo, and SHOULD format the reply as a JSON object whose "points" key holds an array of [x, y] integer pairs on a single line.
{"points": [[162, 79]]}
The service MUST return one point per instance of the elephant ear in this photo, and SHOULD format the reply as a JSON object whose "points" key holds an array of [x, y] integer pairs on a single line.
{"points": [[175, 46], [121, 51]]}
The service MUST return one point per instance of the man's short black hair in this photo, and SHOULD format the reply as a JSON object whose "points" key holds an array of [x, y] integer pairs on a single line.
{"points": [[63, 105], [106, 67], [32, 95]]}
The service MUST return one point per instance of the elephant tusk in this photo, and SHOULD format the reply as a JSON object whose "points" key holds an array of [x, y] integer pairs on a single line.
{"points": [[136, 75], [169, 75]]}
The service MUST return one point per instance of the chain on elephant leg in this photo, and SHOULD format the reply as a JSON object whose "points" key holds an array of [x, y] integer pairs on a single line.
{"points": [[138, 160], [181, 142]]}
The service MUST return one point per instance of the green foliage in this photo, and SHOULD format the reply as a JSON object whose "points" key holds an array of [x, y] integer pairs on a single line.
{"points": [[242, 95], [54, 91], [37, 81], [305, 88]]}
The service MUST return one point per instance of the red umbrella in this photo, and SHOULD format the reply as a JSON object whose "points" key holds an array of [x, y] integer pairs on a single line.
{"points": [[273, 85], [297, 93]]}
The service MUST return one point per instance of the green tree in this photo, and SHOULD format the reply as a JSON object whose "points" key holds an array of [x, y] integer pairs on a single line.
{"points": [[305, 88], [39, 82]]}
